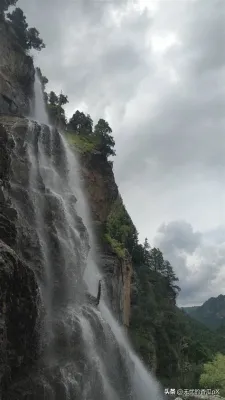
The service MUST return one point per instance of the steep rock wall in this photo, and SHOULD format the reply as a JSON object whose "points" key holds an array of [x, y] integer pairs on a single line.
{"points": [[23, 263], [102, 192], [16, 74], [19, 294]]}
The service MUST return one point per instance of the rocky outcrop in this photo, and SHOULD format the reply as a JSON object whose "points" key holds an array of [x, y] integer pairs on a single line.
{"points": [[19, 294], [16, 74], [118, 274], [102, 192]]}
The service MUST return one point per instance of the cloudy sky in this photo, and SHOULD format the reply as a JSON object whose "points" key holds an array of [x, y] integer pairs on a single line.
{"points": [[155, 70]]}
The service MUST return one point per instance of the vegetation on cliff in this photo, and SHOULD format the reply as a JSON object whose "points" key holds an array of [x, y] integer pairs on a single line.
{"points": [[4, 5], [28, 38], [79, 130]]}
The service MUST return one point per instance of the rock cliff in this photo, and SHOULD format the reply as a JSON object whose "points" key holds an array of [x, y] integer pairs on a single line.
{"points": [[21, 265], [102, 193], [19, 293], [16, 74], [16, 89]]}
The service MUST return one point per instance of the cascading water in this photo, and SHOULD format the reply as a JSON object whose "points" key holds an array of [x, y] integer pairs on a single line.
{"points": [[39, 111], [85, 354]]}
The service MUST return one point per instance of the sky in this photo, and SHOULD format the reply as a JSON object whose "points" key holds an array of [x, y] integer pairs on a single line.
{"points": [[154, 69]]}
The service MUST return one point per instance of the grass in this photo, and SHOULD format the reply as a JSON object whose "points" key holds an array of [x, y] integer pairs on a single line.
{"points": [[116, 246], [83, 144]]}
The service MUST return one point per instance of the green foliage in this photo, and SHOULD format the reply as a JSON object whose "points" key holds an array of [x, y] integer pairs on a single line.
{"points": [[211, 313], [62, 100], [81, 124], [28, 37], [221, 329], [154, 318], [213, 375], [33, 40], [55, 110], [82, 144], [53, 99], [20, 26], [5, 4], [106, 142], [120, 228], [144, 343], [116, 246], [182, 345]]}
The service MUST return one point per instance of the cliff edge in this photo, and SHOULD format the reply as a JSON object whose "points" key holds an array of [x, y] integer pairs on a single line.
{"points": [[16, 74]]}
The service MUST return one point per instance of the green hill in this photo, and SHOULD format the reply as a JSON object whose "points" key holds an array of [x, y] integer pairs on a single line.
{"points": [[211, 313]]}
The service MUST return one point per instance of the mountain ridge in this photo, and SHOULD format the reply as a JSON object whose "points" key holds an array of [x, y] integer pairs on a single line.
{"points": [[211, 313]]}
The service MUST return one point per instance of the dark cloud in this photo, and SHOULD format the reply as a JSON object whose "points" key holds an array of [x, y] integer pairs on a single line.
{"points": [[93, 58], [187, 127], [166, 108]]}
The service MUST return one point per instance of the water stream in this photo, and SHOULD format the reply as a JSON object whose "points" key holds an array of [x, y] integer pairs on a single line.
{"points": [[86, 354]]}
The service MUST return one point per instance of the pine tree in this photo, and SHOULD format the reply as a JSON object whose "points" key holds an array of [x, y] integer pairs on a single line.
{"points": [[106, 142]]}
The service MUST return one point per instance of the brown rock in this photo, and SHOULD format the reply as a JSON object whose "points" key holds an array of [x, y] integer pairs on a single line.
{"points": [[102, 193]]}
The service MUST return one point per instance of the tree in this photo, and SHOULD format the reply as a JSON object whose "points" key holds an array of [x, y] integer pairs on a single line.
{"points": [[213, 375], [56, 111], [27, 37], [157, 261], [146, 251], [81, 123], [106, 142], [53, 99], [20, 25], [63, 99], [146, 245], [5, 4], [171, 278], [33, 40]]}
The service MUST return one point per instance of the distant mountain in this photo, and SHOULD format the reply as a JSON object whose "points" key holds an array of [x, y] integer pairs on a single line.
{"points": [[211, 313]]}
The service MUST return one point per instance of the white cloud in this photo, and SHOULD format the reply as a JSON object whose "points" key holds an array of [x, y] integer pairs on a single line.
{"points": [[198, 262]]}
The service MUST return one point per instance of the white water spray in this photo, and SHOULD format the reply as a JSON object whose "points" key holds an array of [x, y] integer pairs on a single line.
{"points": [[90, 357], [39, 110]]}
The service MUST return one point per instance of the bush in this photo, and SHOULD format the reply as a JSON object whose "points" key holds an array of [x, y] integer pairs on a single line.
{"points": [[28, 38], [116, 246], [213, 376]]}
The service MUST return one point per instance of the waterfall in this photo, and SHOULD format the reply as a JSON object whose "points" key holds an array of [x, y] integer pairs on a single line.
{"points": [[39, 113], [85, 355]]}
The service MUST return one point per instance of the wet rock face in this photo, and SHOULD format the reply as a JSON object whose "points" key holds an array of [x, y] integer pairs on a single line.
{"points": [[25, 201], [16, 74], [118, 280], [103, 192], [100, 183], [19, 312], [19, 294]]}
